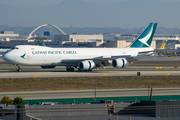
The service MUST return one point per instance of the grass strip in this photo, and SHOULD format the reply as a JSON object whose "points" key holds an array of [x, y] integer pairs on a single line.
{"points": [[115, 99], [87, 83]]}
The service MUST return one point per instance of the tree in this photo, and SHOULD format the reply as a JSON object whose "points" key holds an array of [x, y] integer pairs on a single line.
{"points": [[6, 100], [18, 101]]}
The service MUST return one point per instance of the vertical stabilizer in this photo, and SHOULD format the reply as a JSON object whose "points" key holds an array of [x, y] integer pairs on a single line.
{"points": [[145, 38], [162, 46], [43, 44]]}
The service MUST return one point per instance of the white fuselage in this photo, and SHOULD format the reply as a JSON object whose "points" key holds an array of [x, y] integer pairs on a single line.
{"points": [[46, 56]]}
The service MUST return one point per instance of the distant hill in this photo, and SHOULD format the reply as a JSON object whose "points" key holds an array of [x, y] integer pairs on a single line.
{"points": [[87, 30]]}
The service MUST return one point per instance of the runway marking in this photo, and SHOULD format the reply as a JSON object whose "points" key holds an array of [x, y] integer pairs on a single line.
{"points": [[35, 76], [168, 73], [175, 67], [104, 74], [158, 67]]}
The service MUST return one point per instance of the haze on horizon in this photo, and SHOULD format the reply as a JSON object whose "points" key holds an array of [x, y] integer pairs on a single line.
{"points": [[94, 13]]}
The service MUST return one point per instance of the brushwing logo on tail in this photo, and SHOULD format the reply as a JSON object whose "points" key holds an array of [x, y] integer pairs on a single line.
{"points": [[146, 38]]}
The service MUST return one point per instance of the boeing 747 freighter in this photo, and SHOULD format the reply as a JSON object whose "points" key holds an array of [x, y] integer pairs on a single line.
{"points": [[84, 59]]}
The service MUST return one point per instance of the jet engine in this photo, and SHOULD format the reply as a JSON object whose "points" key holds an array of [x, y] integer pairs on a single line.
{"points": [[47, 67], [120, 63], [86, 65]]}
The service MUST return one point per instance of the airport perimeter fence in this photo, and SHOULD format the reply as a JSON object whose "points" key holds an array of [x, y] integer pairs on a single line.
{"points": [[66, 110], [151, 108]]}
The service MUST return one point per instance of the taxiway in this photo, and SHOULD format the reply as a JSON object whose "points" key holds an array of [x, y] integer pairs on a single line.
{"points": [[94, 73]]}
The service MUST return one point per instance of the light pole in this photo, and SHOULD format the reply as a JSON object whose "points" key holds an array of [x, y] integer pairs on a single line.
{"points": [[95, 90], [148, 91]]}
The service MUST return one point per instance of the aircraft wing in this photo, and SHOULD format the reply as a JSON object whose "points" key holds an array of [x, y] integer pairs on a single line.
{"points": [[144, 56], [106, 60], [167, 50], [98, 58], [160, 50], [146, 52]]}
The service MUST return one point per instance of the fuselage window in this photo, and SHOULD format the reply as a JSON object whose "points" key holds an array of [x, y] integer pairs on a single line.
{"points": [[15, 48]]}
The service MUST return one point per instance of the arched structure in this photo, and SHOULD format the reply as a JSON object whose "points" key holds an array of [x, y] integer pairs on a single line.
{"points": [[38, 28]]}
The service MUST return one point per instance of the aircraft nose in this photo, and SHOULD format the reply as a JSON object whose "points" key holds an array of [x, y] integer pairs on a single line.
{"points": [[6, 57]]}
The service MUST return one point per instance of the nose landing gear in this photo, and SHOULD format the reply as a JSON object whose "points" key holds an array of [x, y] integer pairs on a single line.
{"points": [[19, 68]]}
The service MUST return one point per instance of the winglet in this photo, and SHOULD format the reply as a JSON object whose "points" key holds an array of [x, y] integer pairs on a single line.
{"points": [[145, 38]]}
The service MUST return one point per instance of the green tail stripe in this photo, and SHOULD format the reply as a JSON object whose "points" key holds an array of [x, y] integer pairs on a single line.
{"points": [[145, 38]]}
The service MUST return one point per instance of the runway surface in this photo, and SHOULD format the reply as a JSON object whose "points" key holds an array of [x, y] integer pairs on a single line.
{"points": [[146, 67], [89, 93], [94, 73]]}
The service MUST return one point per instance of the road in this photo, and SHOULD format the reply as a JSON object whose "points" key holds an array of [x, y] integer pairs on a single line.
{"points": [[88, 93]]}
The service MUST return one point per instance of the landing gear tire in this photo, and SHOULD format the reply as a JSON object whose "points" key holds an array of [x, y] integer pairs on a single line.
{"points": [[69, 68], [84, 70], [79, 70], [19, 70]]}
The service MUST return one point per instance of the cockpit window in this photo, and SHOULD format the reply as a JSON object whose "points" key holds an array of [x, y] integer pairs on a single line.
{"points": [[15, 48]]}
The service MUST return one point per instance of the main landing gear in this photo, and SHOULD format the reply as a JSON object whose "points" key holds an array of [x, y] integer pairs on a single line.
{"points": [[69, 68], [19, 68], [84, 70]]}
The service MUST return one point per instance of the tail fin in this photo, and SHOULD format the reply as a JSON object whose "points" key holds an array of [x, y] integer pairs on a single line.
{"points": [[43, 44], [162, 46], [145, 38]]}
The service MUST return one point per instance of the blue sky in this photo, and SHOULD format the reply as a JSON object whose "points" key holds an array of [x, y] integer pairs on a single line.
{"points": [[40, 3], [90, 13], [36, 3]]}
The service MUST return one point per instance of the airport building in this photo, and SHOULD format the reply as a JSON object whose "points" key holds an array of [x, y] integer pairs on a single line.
{"points": [[9, 39], [79, 38], [6, 35]]}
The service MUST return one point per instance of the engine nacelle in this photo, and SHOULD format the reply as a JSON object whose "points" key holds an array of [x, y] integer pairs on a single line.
{"points": [[86, 65], [47, 67], [120, 63]]}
